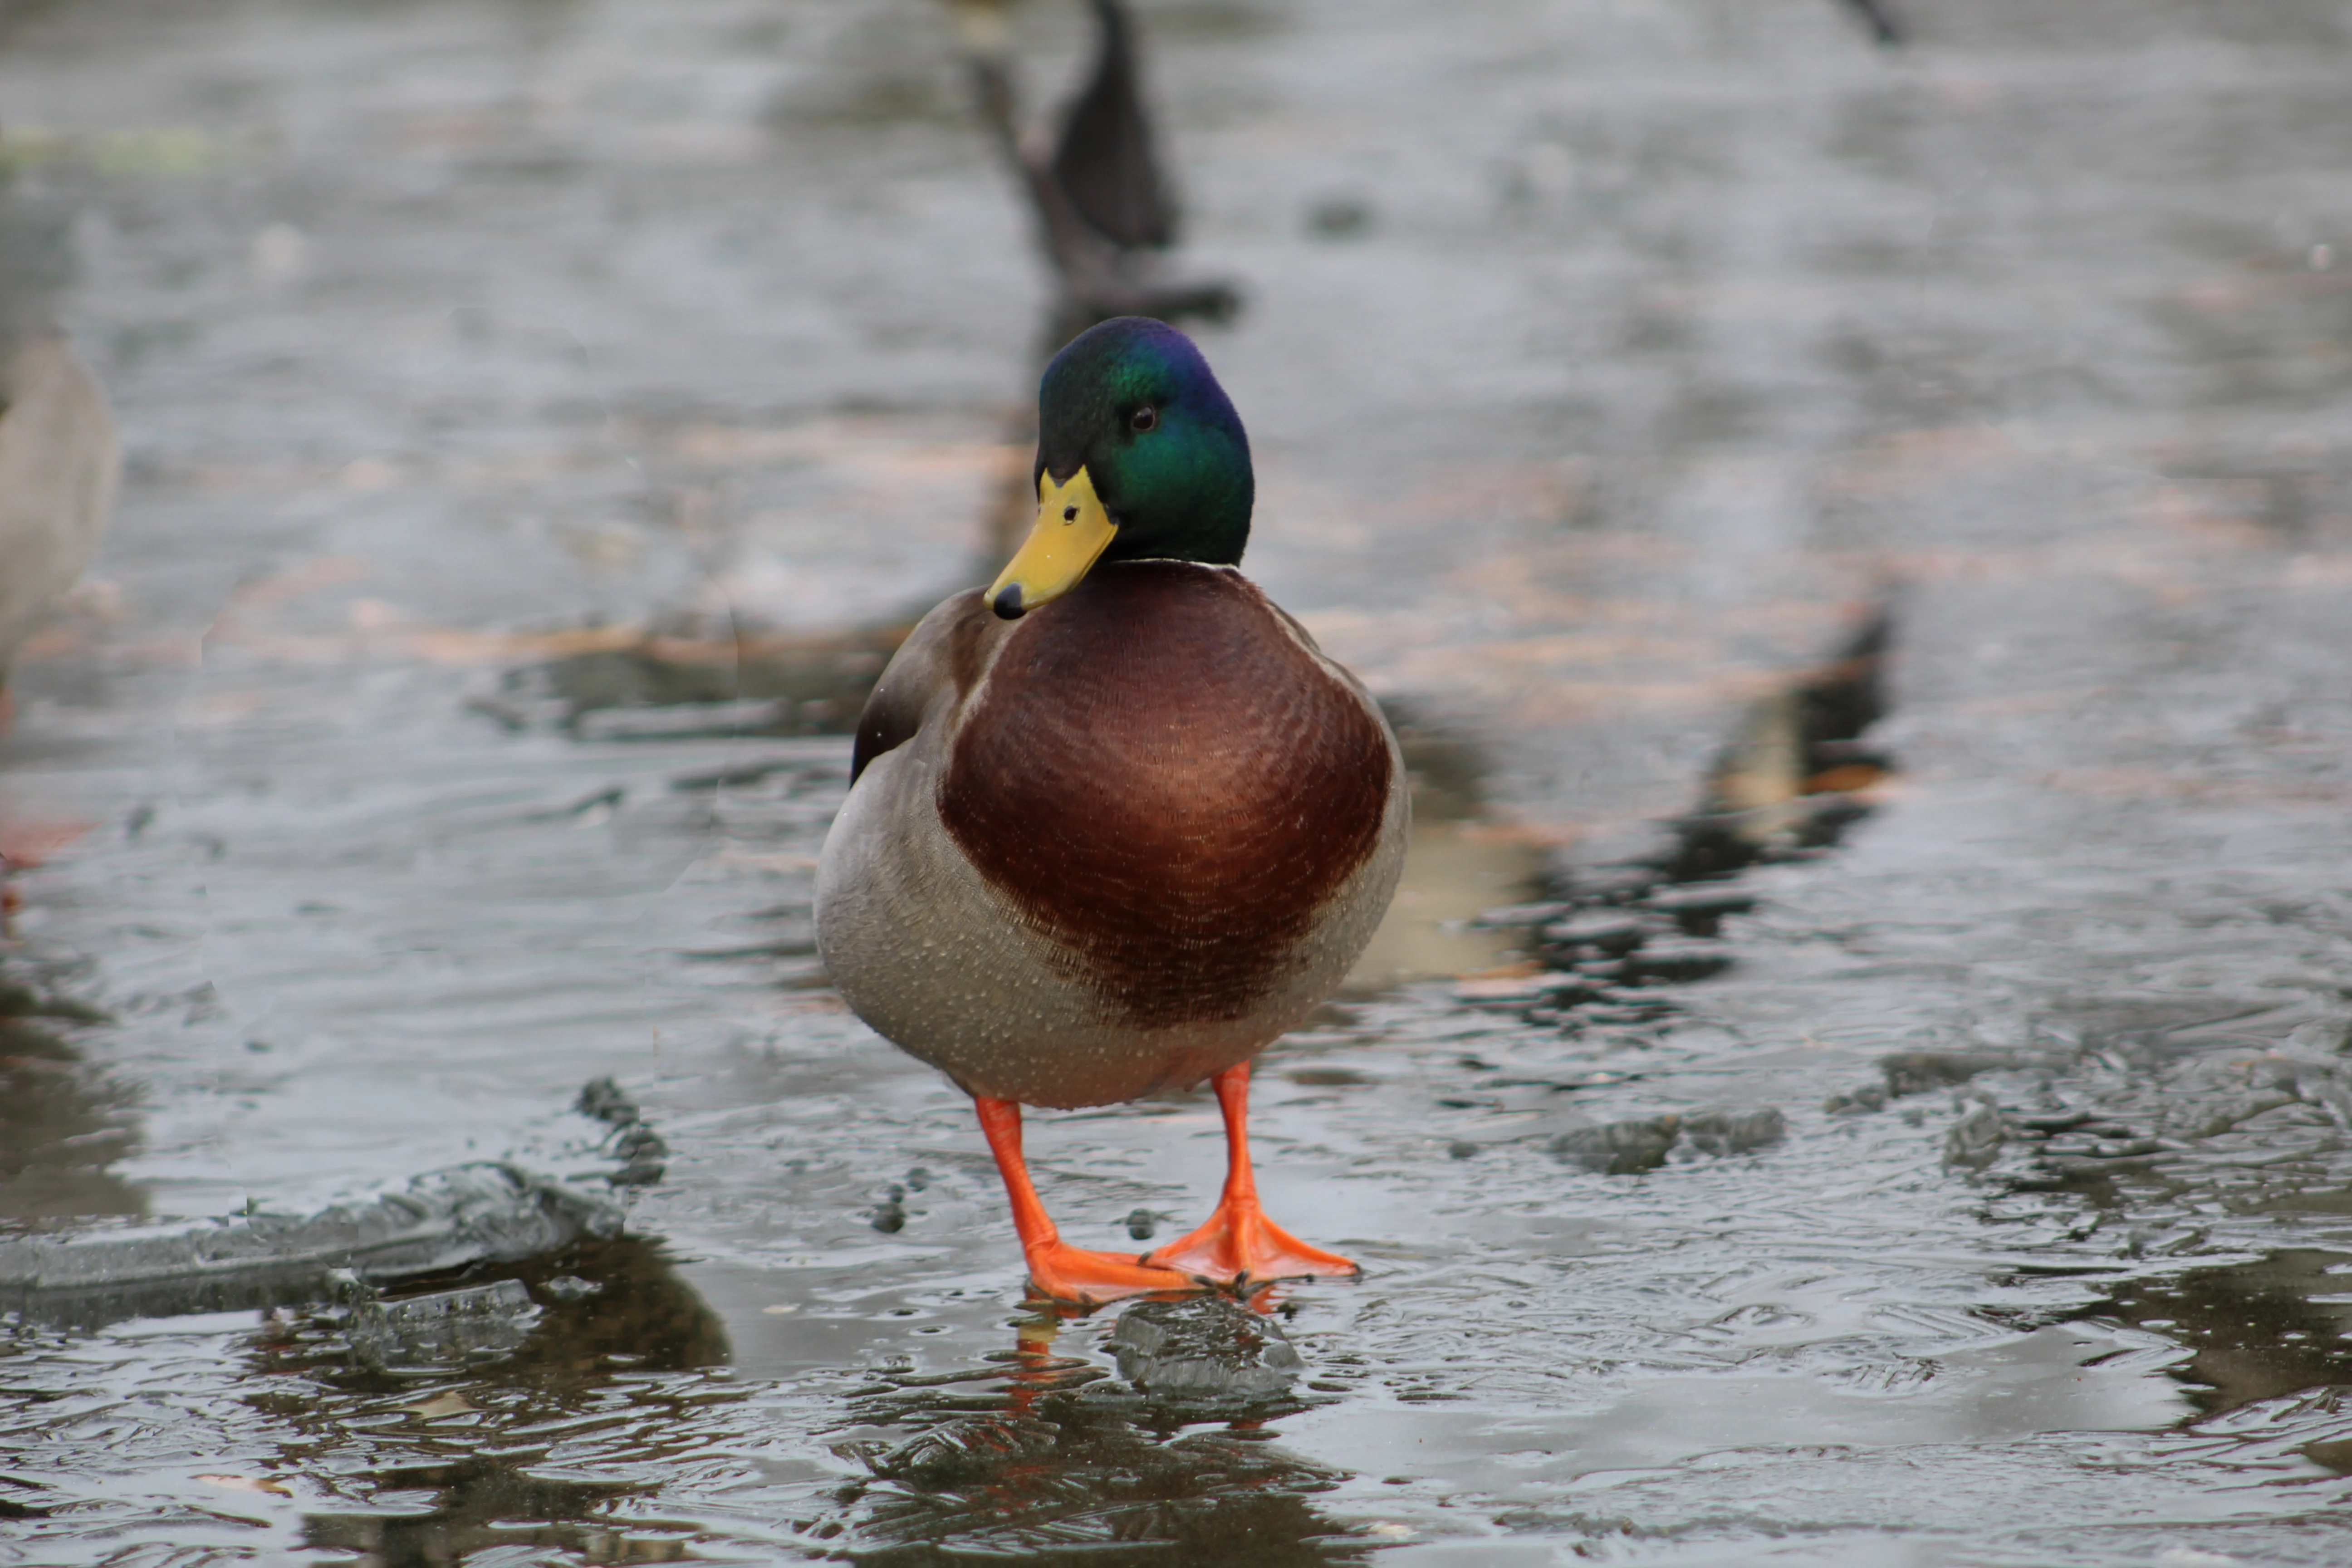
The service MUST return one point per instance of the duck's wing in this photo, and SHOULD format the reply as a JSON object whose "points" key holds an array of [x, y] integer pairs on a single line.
{"points": [[928, 679], [1105, 163]]}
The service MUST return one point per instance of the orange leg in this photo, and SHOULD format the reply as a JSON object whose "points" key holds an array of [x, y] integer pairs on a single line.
{"points": [[1056, 1269], [1239, 1246]]}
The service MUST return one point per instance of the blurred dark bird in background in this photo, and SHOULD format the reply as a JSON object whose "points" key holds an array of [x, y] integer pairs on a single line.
{"points": [[1104, 207], [1884, 23], [1105, 162]]}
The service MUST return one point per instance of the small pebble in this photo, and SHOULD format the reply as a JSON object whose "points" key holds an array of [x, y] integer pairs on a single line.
{"points": [[1734, 1132], [1855, 1101], [1915, 1072], [607, 1101], [1620, 1148]]}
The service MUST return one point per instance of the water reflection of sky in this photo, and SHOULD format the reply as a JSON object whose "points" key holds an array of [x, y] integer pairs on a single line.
{"points": [[455, 340]]}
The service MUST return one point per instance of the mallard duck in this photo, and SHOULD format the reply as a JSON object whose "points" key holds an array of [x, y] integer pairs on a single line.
{"points": [[58, 470], [1114, 824]]}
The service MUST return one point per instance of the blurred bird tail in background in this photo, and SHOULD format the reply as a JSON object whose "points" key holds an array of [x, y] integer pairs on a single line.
{"points": [[1105, 162], [1102, 202], [1884, 23]]}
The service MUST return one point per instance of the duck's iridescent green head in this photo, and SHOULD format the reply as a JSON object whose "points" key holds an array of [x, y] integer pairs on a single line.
{"points": [[1140, 456]]}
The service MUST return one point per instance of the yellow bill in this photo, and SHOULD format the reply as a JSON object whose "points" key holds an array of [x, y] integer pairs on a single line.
{"points": [[1071, 532]]}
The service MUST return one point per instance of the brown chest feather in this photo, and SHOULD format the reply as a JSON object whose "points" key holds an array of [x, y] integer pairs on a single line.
{"points": [[1163, 781]]}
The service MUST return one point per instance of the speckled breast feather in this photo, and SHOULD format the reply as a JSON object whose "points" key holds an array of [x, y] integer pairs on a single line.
{"points": [[1111, 847], [1167, 782]]}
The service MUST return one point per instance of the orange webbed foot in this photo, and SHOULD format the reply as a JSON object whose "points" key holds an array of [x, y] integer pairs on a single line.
{"points": [[1241, 1246], [1060, 1272]]}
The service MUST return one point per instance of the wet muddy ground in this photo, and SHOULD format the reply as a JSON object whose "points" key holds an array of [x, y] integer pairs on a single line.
{"points": [[1964, 1179]]}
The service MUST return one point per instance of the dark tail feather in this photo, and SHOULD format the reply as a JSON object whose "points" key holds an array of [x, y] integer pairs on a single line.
{"points": [[1883, 24]]}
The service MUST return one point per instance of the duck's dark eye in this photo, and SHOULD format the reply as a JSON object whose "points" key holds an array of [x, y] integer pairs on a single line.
{"points": [[1145, 417]]}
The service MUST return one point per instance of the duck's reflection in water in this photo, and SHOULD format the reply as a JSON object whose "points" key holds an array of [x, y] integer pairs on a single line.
{"points": [[569, 1444], [1070, 1466], [62, 1123], [531, 1453]]}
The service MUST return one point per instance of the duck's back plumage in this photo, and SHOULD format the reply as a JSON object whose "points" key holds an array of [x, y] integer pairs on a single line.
{"points": [[1115, 845]]}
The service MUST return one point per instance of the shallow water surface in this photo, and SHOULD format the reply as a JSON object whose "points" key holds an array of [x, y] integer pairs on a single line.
{"points": [[540, 412]]}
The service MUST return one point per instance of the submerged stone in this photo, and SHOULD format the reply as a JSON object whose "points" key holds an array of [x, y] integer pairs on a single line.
{"points": [[1620, 1148], [967, 1450], [1734, 1132], [1915, 1072], [451, 1331], [1975, 1138], [605, 1100], [1855, 1101], [642, 1155], [1208, 1347]]}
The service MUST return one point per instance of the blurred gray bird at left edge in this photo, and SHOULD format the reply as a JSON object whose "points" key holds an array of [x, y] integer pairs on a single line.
{"points": [[1103, 204], [59, 459]]}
